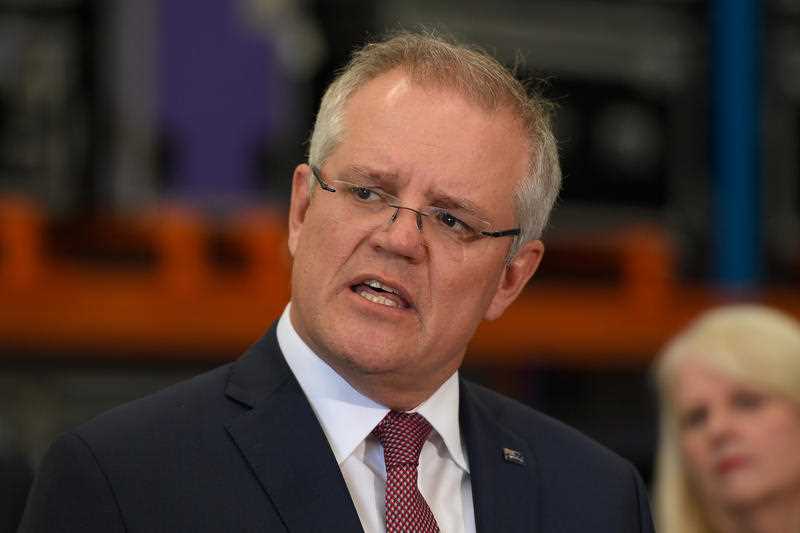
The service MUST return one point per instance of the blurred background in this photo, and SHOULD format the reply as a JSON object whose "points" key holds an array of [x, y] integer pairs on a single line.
{"points": [[146, 151]]}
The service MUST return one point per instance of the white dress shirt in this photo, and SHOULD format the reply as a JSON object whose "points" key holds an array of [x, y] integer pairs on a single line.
{"points": [[348, 417]]}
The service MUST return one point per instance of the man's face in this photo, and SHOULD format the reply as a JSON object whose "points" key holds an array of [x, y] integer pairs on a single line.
{"points": [[425, 146]]}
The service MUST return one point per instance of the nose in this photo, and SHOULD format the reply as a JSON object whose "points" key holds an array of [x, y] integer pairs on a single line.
{"points": [[402, 234], [720, 426]]}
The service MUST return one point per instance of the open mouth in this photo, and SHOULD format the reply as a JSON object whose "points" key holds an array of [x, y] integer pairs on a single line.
{"points": [[379, 293]]}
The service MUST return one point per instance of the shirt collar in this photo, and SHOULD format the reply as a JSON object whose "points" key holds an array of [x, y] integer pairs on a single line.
{"points": [[348, 417]]}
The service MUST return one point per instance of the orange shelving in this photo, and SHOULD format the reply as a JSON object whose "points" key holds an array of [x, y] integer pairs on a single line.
{"points": [[186, 304]]}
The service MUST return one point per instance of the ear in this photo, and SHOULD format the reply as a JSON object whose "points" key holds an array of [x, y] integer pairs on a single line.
{"points": [[301, 197], [514, 278]]}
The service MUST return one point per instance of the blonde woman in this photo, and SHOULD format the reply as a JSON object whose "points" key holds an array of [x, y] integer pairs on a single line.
{"points": [[729, 454]]}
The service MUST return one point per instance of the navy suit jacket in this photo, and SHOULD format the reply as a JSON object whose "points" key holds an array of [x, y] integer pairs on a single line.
{"points": [[240, 449]]}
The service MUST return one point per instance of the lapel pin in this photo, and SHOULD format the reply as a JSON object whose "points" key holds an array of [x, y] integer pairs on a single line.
{"points": [[513, 456]]}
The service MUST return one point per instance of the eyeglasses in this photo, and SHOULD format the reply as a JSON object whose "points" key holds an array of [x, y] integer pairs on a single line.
{"points": [[367, 205]]}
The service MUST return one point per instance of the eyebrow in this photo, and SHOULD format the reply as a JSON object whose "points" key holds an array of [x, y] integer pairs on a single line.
{"points": [[439, 198], [375, 176], [444, 200]]}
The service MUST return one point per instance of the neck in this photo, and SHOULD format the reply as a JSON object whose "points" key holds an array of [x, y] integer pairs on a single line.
{"points": [[778, 515], [396, 393]]}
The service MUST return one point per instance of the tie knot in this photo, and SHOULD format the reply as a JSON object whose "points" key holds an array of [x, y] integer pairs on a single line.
{"points": [[402, 436]]}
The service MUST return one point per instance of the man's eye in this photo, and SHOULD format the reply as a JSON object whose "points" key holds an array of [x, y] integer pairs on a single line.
{"points": [[364, 193], [452, 222], [449, 219]]}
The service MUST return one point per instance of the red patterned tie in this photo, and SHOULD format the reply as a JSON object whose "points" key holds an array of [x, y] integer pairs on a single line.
{"points": [[402, 436]]}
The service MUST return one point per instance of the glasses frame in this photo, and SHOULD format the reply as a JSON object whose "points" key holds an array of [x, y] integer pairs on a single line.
{"points": [[324, 185]]}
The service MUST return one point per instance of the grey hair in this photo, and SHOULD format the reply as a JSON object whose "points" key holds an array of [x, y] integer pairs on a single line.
{"points": [[431, 59]]}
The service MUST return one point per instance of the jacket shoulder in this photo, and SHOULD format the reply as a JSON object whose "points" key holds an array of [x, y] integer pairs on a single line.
{"points": [[584, 485], [553, 441], [176, 409]]}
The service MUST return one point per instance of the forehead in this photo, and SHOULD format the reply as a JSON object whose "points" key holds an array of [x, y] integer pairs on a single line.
{"points": [[700, 382], [694, 381], [434, 136]]}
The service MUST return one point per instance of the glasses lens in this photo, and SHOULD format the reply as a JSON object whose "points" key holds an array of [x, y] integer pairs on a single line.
{"points": [[357, 205], [365, 208], [455, 226]]}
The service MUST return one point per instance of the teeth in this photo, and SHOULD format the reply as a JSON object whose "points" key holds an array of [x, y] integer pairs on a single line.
{"points": [[375, 284], [374, 298]]}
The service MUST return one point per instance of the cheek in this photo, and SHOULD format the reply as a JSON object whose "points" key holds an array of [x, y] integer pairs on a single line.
{"points": [[467, 289], [316, 263], [323, 242], [693, 453], [476, 274], [779, 440], [698, 468]]}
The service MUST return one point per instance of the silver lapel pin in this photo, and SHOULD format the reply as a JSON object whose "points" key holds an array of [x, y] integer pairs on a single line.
{"points": [[513, 456]]}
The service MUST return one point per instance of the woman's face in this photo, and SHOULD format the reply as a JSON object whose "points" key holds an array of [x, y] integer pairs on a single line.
{"points": [[741, 445]]}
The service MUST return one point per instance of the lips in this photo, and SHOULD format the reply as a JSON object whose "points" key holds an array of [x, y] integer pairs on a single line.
{"points": [[729, 464], [382, 292]]}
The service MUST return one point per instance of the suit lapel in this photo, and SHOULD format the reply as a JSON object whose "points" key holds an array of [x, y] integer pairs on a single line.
{"points": [[505, 493], [284, 444]]}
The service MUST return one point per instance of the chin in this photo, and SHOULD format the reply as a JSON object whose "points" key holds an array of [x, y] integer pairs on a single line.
{"points": [[374, 356], [745, 494]]}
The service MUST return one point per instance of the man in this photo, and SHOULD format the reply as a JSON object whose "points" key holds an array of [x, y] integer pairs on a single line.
{"points": [[430, 178]]}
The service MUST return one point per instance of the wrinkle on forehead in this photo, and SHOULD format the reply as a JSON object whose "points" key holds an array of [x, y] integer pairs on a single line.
{"points": [[436, 196]]}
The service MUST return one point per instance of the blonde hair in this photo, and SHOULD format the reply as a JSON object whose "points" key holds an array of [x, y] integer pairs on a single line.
{"points": [[430, 59], [752, 344]]}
